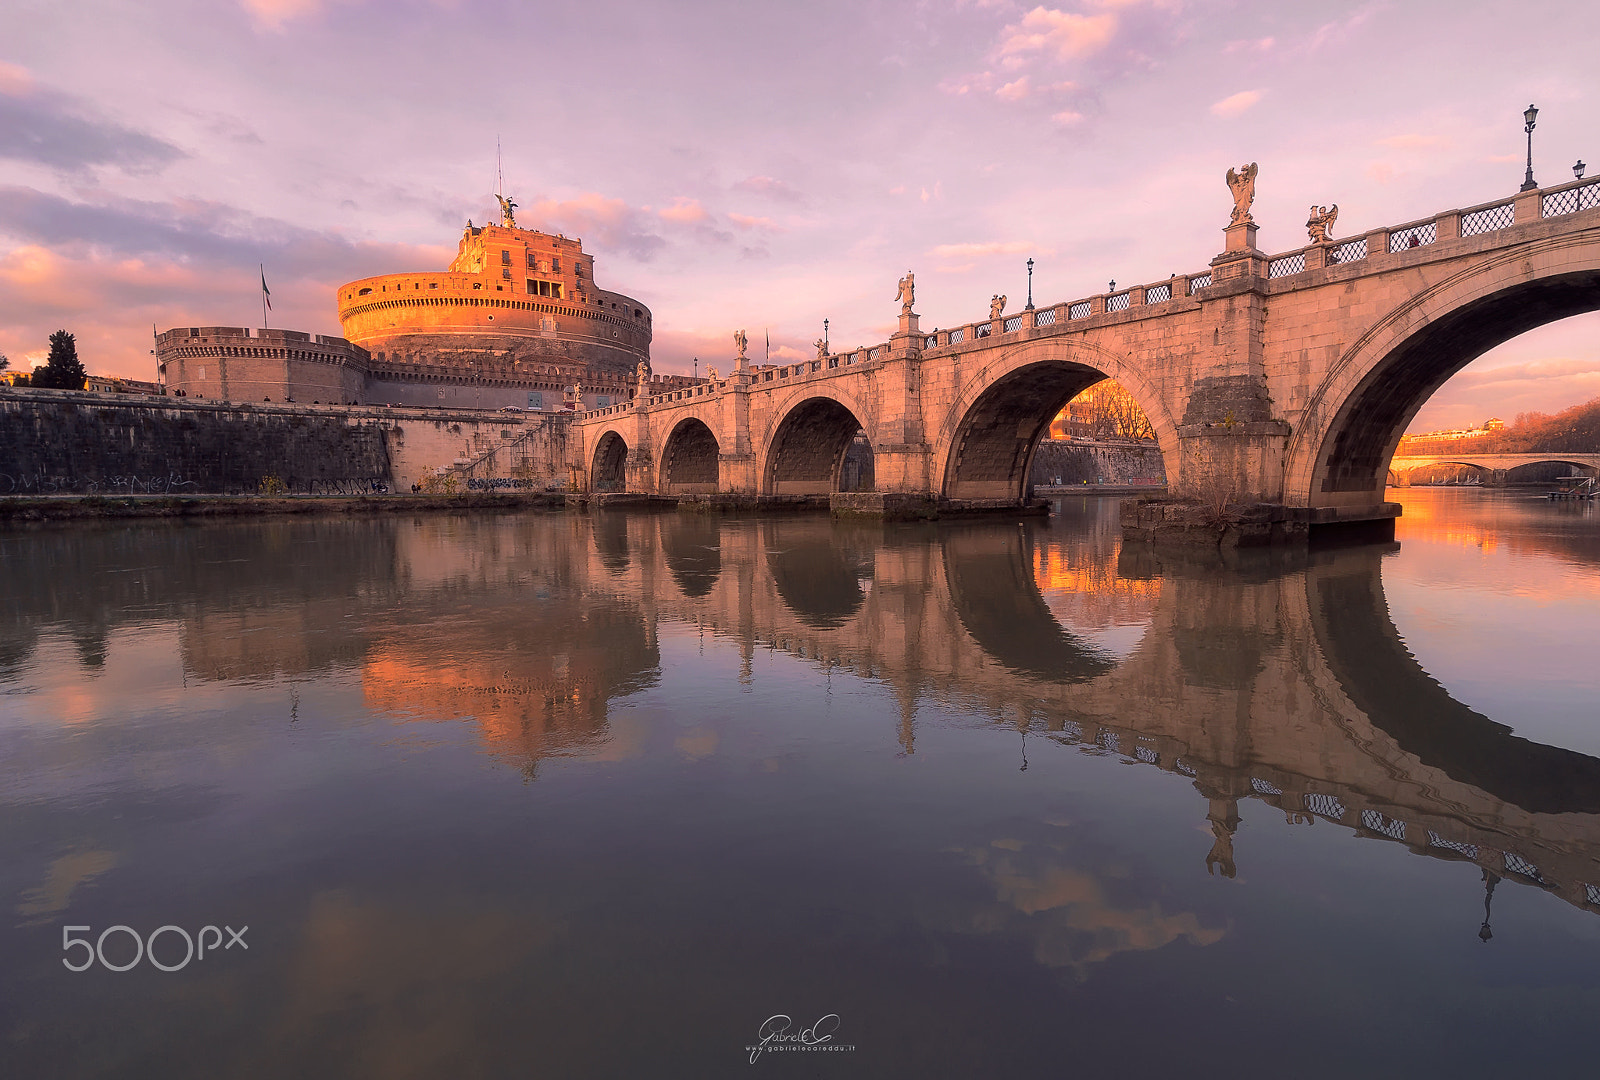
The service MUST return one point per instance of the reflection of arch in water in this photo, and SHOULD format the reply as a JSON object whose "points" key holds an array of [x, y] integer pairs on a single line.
{"points": [[611, 540], [821, 577], [993, 591], [692, 547], [1365, 652]]}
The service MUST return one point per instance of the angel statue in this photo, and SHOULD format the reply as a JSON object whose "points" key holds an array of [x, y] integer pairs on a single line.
{"points": [[822, 349], [642, 372], [908, 292], [507, 206], [1320, 223], [1243, 186], [997, 304], [740, 342], [711, 374]]}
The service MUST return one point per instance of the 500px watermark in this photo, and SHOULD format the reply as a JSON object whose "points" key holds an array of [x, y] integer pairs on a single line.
{"points": [[145, 948], [777, 1036]]}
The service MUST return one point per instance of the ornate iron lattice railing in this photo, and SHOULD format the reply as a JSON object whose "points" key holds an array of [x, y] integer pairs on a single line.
{"points": [[1157, 294], [1080, 310], [873, 354], [1349, 251], [1108, 740], [1325, 806], [1045, 317], [1013, 324], [1592, 894], [1289, 264], [1117, 302], [1184, 767], [1416, 236], [931, 341], [1261, 787], [1147, 755], [1572, 200], [957, 336], [1489, 219], [1379, 823], [1469, 850], [1516, 864], [1198, 282], [982, 330]]}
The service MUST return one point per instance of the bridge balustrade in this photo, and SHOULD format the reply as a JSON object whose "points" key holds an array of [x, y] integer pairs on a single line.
{"points": [[1584, 196], [1379, 822], [958, 336], [1044, 317], [1412, 236], [1080, 310], [1489, 218], [1349, 251], [1157, 294], [1324, 806], [1516, 864], [1013, 324], [1117, 303], [1198, 282], [1289, 264], [1263, 787]]}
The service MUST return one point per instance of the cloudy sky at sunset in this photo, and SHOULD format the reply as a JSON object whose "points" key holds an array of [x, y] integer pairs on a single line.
{"points": [[755, 165]]}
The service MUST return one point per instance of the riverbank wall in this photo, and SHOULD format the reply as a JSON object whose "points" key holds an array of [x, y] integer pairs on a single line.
{"points": [[61, 442], [1076, 462]]}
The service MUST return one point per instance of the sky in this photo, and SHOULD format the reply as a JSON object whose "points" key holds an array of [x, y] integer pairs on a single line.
{"points": [[754, 165]]}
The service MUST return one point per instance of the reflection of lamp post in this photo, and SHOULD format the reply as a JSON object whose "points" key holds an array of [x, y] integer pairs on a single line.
{"points": [[1528, 119], [1030, 286], [1490, 881]]}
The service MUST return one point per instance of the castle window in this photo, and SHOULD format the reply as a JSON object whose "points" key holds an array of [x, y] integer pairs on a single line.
{"points": [[365, 292], [555, 266], [433, 284], [533, 287], [533, 264], [505, 257], [505, 272]]}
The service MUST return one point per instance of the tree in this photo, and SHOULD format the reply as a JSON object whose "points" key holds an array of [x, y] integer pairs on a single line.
{"points": [[1113, 412], [4, 362], [63, 371]]}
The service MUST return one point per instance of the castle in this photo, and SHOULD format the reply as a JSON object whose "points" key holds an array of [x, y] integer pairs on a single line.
{"points": [[515, 321]]}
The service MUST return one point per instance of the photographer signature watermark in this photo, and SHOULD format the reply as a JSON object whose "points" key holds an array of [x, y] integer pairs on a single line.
{"points": [[778, 1035], [145, 948]]}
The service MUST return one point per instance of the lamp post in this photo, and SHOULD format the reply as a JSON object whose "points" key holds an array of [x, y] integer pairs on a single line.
{"points": [[825, 336], [1577, 170], [1030, 286], [1528, 118]]}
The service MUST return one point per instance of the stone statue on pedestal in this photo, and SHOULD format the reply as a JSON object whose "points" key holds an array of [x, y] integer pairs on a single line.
{"points": [[507, 206], [997, 304], [740, 342], [1243, 185], [908, 293], [1320, 224], [822, 349]]}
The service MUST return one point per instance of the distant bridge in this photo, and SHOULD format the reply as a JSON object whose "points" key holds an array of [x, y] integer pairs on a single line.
{"points": [[1496, 467], [1289, 379]]}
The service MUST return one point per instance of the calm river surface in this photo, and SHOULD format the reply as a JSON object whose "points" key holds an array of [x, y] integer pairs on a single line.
{"points": [[562, 795]]}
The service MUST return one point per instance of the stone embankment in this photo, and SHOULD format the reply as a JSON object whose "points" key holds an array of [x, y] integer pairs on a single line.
{"points": [[1162, 520], [99, 508]]}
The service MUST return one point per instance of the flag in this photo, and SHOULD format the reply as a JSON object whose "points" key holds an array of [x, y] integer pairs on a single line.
{"points": [[266, 293]]}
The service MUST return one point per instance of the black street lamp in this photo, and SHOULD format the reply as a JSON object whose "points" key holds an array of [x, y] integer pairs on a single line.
{"points": [[1577, 170], [1030, 286], [1528, 119]]}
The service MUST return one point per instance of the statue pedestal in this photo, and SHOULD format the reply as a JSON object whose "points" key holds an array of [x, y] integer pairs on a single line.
{"points": [[1240, 237], [908, 324]]}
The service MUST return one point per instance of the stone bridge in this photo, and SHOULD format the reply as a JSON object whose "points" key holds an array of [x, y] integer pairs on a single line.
{"points": [[1496, 467], [1285, 379]]}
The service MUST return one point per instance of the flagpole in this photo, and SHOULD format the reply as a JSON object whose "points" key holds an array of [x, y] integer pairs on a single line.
{"points": [[263, 269]]}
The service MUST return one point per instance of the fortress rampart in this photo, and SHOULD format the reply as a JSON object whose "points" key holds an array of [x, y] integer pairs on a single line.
{"points": [[233, 363]]}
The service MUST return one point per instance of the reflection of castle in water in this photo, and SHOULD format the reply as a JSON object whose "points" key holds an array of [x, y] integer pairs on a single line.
{"points": [[1282, 681]]}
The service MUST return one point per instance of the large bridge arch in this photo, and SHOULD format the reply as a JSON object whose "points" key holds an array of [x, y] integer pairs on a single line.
{"points": [[608, 468], [985, 445], [1352, 423], [805, 443], [689, 459]]}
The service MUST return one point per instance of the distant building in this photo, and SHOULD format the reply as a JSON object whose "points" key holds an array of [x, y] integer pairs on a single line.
{"points": [[514, 321]]}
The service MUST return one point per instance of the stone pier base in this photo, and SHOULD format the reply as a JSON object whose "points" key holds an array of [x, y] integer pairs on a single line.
{"points": [[1184, 522], [887, 505]]}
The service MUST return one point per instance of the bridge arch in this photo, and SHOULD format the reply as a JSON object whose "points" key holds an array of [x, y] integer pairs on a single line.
{"points": [[1353, 420], [804, 448], [986, 443], [608, 469], [689, 459]]}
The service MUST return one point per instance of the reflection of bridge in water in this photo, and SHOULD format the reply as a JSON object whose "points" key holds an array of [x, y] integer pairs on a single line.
{"points": [[1282, 680]]}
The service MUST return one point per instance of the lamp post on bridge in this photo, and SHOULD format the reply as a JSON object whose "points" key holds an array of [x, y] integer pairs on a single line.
{"points": [[1528, 117], [1030, 286]]}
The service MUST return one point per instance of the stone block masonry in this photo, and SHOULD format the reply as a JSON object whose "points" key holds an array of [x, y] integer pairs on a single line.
{"points": [[65, 442]]}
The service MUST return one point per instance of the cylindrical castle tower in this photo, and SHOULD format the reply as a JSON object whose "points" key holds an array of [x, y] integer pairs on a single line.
{"points": [[517, 311]]}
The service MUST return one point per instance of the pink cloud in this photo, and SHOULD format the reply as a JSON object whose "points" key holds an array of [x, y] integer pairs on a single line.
{"points": [[771, 187], [274, 14], [15, 80], [685, 211], [1235, 104], [745, 221], [992, 247], [1013, 91], [1059, 35]]}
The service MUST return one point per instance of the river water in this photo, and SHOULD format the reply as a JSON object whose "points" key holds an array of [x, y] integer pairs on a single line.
{"points": [[564, 795]]}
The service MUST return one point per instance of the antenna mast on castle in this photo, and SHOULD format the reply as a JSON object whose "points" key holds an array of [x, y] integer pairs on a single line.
{"points": [[499, 177]]}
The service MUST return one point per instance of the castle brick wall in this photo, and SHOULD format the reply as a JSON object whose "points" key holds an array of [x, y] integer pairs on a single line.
{"points": [[1061, 461]]}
